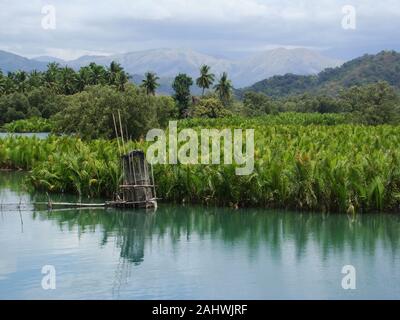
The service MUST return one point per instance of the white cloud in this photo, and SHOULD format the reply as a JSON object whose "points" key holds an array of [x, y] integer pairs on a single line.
{"points": [[71, 54], [94, 26]]}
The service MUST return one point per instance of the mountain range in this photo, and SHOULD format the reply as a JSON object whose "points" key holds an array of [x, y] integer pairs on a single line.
{"points": [[370, 68], [167, 63]]}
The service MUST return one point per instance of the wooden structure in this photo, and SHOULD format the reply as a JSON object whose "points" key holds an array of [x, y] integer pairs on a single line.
{"points": [[138, 189]]}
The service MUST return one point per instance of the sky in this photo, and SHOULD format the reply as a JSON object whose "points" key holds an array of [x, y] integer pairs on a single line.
{"points": [[223, 28]]}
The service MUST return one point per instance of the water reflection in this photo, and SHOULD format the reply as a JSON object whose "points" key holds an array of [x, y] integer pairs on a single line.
{"points": [[252, 227], [179, 244]]}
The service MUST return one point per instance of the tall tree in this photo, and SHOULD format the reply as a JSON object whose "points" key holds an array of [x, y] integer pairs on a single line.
{"points": [[68, 80], [206, 78], [21, 78], [2, 83], [97, 74], [112, 72], [83, 78], [35, 79], [181, 86], [150, 83], [224, 89], [50, 76], [121, 80]]}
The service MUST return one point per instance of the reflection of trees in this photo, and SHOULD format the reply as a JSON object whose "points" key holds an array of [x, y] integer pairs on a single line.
{"points": [[254, 227]]}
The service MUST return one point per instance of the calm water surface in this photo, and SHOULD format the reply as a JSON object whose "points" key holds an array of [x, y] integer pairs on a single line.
{"points": [[40, 135], [192, 252]]}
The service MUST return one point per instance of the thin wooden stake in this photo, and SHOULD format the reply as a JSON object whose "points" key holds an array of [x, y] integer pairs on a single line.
{"points": [[116, 133], [122, 132]]}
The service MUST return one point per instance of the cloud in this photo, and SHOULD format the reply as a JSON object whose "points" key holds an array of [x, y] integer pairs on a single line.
{"points": [[213, 26]]}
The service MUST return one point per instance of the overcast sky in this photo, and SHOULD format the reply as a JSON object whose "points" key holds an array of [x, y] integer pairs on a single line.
{"points": [[229, 28]]}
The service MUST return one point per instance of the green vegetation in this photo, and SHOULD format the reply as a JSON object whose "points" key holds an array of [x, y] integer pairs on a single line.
{"points": [[182, 96], [327, 152], [367, 69], [209, 108], [313, 162], [42, 94], [29, 125], [206, 78], [372, 104], [89, 114], [150, 83], [224, 89]]}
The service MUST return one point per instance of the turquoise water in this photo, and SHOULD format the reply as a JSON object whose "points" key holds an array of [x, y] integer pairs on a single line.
{"points": [[192, 252], [41, 135]]}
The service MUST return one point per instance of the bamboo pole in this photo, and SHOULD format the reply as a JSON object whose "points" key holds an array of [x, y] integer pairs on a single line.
{"points": [[122, 132], [116, 133]]}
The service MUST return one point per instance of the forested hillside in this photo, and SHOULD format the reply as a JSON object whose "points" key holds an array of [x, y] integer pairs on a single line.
{"points": [[384, 66]]}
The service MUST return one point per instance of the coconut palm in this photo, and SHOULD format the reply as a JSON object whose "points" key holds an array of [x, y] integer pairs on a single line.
{"points": [[50, 76], [68, 80], [97, 74], [83, 78], [35, 79], [150, 83], [224, 88], [121, 79], [21, 78], [206, 78], [112, 72]]}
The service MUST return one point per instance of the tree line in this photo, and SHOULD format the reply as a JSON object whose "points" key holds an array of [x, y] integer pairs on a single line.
{"points": [[83, 100]]}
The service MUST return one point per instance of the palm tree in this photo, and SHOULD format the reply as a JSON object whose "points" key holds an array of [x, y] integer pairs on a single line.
{"points": [[20, 78], [150, 83], [68, 80], [97, 74], [83, 78], [50, 76], [112, 72], [9, 85], [224, 88], [35, 79], [121, 78], [206, 79]]}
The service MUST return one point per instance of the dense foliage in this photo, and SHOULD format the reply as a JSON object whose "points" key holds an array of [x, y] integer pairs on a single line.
{"points": [[90, 113], [182, 96], [302, 161], [367, 69], [41, 94], [373, 104], [29, 125]]}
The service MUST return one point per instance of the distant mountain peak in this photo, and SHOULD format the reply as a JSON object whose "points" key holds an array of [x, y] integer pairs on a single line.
{"points": [[168, 62]]}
